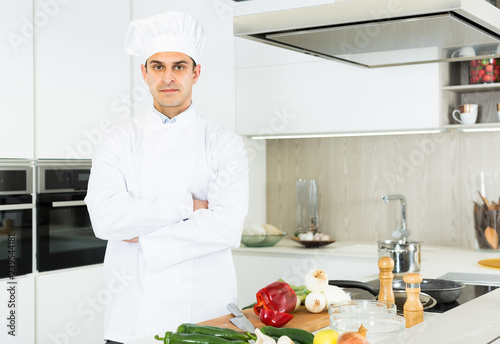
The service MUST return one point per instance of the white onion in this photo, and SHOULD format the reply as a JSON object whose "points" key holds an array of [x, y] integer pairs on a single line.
{"points": [[262, 338], [285, 340], [316, 280], [334, 294], [315, 302]]}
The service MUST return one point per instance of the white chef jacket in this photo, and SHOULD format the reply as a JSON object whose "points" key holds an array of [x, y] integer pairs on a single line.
{"points": [[143, 180]]}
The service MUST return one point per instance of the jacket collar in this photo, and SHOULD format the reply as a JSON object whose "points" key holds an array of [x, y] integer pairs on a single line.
{"points": [[157, 118]]}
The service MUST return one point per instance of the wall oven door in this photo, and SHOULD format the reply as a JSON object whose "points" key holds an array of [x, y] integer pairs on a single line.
{"points": [[16, 218], [65, 235]]}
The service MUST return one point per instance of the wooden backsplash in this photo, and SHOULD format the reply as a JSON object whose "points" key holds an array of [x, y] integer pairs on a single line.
{"points": [[433, 171]]}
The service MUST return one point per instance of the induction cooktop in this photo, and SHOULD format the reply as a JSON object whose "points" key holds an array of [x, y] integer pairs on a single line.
{"points": [[474, 288]]}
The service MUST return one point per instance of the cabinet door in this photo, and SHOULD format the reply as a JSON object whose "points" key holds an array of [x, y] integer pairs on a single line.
{"points": [[19, 319], [16, 83], [82, 74], [330, 97], [70, 306]]}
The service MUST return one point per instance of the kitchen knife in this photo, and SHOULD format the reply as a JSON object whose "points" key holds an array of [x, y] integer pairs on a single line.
{"points": [[240, 320]]}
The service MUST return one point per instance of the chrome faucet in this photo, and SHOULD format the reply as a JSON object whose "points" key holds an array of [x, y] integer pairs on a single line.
{"points": [[400, 233]]}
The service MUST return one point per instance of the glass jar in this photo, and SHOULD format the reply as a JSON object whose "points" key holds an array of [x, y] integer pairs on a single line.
{"points": [[484, 71], [486, 187]]}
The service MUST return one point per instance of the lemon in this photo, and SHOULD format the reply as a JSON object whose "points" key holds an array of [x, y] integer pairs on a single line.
{"points": [[326, 336]]}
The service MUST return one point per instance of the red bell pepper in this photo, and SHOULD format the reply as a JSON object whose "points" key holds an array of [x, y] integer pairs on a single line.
{"points": [[277, 296], [273, 318]]}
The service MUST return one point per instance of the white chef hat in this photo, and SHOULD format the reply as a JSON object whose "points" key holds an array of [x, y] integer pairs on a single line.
{"points": [[170, 31]]}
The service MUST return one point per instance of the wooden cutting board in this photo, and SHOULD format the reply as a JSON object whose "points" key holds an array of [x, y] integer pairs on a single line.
{"points": [[302, 319]]}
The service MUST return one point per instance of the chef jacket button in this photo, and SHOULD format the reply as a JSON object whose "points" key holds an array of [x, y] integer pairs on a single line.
{"points": [[190, 163], [186, 279], [189, 131]]}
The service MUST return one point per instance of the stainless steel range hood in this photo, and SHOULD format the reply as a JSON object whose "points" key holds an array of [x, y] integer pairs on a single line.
{"points": [[380, 33]]}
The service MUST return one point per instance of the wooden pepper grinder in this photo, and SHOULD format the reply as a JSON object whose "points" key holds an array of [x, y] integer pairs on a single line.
{"points": [[386, 265], [413, 310]]}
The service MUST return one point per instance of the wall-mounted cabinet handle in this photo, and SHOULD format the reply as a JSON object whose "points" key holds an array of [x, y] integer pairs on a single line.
{"points": [[16, 207], [67, 204]]}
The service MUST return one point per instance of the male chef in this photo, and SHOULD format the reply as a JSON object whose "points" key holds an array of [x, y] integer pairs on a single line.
{"points": [[169, 191]]}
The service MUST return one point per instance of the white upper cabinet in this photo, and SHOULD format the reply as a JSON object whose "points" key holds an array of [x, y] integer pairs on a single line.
{"points": [[285, 92], [330, 97], [16, 83], [82, 74]]}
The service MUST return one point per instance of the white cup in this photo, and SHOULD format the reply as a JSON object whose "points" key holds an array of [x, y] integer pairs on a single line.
{"points": [[467, 113], [464, 52]]}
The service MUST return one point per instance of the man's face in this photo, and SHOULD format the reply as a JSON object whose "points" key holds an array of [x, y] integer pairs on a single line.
{"points": [[170, 76]]}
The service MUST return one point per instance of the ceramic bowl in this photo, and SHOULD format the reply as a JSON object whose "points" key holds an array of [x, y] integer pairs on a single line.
{"points": [[261, 240]]}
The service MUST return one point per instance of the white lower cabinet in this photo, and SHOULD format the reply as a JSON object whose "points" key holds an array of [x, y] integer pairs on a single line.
{"points": [[70, 306], [17, 310], [255, 271]]}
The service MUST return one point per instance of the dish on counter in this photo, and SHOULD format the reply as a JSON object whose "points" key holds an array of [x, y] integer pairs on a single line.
{"points": [[491, 263], [313, 243], [376, 325], [261, 240], [362, 307]]}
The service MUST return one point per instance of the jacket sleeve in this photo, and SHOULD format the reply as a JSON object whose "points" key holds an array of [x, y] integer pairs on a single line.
{"points": [[114, 212], [207, 230]]}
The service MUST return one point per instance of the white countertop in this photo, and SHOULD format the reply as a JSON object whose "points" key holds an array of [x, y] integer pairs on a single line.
{"points": [[435, 261], [476, 321]]}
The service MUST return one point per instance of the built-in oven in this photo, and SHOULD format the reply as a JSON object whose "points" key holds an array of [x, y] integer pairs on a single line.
{"points": [[16, 217], [65, 237]]}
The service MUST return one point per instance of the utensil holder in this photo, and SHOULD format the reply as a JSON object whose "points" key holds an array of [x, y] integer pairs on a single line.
{"points": [[486, 188], [307, 210]]}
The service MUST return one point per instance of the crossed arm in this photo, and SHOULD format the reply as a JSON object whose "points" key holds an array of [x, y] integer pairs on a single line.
{"points": [[197, 204]]}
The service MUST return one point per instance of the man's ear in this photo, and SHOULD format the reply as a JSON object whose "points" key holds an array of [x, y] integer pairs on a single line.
{"points": [[144, 73], [196, 73]]}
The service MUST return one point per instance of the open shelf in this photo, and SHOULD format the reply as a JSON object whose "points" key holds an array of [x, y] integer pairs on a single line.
{"points": [[456, 90], [479, 126], [472, 88]]}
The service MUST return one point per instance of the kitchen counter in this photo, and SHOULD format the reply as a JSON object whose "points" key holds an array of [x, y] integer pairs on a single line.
{"points": [[435, 261], [473, 322]]}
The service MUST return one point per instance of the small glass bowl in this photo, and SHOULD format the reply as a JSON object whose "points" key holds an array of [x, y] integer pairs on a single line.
{"points": [[362, 307], [376, 326]]}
